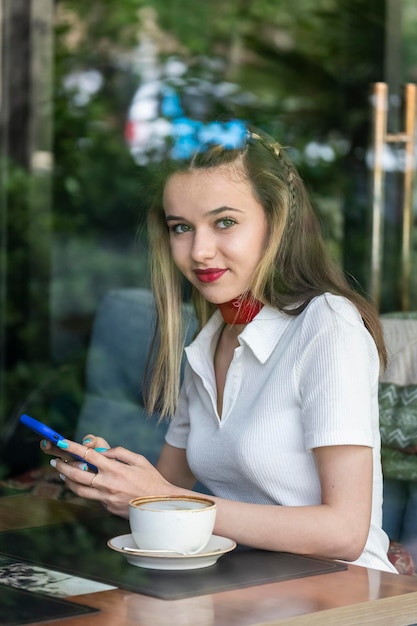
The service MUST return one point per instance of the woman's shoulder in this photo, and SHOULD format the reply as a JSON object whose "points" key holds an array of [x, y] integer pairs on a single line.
{"points": [[333, 323], [329, 307]]}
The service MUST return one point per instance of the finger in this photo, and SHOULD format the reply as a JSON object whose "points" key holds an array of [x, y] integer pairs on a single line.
{"points": [[89, 440], [87, 487], [77, 473], [91, 455], [95, 442], [91, 485], [82, 466], [49, 448], [125, 456]]}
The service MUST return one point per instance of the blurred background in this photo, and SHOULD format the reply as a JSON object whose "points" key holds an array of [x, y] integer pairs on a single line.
{"points": [[94, 94]]}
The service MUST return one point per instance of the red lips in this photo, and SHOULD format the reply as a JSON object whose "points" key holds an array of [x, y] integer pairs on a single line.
{"points": [[209, 275]]}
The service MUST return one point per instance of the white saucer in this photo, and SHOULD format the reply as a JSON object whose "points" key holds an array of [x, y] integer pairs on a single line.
{"points": [[216, 547]]}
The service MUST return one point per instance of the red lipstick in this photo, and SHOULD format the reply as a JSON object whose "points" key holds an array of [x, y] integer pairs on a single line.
{"points": [[209, 275]]}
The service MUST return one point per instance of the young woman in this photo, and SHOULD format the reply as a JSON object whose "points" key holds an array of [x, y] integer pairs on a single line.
{"points": [[278, 411]]}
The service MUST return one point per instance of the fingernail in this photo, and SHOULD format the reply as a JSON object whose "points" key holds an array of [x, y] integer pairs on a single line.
{"points": [[85, 467], [100, 449], [88, 440], [62, 444], [62, 477], [52, 462], [44, 443]]}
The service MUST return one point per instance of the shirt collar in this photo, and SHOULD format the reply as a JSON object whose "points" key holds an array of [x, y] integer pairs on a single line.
{"points": [[261, 335], [264, 332]]}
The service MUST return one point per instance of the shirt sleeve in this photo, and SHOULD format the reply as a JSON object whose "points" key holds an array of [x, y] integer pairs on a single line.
{"points": [[339, 369], [179, 428]]}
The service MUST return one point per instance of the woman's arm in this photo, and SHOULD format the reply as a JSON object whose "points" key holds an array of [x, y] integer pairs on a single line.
{"points": [[337, 528], [173, 466]]}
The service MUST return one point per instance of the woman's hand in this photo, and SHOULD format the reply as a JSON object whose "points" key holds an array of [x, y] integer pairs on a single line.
{"points": [[98, 443], [122, 475], [91, 441]]}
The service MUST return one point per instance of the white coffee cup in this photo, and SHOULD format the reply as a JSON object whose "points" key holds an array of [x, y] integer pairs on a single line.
{"points": [[182, 524]]}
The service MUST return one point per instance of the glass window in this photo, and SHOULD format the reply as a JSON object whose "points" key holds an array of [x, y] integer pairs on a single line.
{"points": [[94, 95]]}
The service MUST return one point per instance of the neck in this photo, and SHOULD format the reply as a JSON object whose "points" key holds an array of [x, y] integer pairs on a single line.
{"points": [[240, 310]]}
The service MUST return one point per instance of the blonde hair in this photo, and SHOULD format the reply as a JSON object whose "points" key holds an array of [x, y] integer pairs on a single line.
{"points": [[295, 268]]}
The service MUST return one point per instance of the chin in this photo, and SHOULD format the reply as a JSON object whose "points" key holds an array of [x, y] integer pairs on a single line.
{"points": [[221, 300], [214, 295]]}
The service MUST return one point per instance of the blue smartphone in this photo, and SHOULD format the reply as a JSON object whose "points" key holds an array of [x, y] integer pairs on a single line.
{"points": [[47, 433]]}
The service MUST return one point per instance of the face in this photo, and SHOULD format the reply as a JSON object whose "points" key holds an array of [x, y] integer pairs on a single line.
{"points": [[218, 230]]}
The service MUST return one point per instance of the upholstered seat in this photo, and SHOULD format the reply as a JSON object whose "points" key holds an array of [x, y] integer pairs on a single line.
{"points": [[114, 405], [398, 425]]}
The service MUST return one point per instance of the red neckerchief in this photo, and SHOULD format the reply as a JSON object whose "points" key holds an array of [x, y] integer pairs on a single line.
{"points": [[240, 310]]}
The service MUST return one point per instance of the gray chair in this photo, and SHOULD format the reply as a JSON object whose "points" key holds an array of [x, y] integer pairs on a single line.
{"points": [[113, 405]]}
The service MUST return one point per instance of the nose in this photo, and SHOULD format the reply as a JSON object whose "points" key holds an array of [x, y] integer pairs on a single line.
{"points": [[204, 246]]}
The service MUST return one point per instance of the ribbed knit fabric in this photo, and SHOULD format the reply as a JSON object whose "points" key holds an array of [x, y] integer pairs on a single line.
{"points": [[295, 383]]}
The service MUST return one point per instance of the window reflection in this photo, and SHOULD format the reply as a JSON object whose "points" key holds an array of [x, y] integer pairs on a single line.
{"points": [[131, 83]]}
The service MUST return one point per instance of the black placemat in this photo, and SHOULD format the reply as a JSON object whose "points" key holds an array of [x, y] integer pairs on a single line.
{"points": [[80, 549], [18, 607]]}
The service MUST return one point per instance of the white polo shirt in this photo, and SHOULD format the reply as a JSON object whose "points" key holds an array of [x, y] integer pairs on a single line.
{"points": [[295, 383]]}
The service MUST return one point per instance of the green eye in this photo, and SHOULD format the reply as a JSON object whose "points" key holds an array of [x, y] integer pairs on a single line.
{"points": [[180, 228], [225, 222]]}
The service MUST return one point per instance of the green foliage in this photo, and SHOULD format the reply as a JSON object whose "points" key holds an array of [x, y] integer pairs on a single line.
{"points": [[300, 79], [96, 184]]}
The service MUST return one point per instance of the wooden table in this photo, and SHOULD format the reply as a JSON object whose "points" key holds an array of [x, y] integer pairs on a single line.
{"points": [[355, 597]]}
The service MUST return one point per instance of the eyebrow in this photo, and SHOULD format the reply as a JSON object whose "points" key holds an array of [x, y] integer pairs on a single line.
{"points": [[221, 209]]}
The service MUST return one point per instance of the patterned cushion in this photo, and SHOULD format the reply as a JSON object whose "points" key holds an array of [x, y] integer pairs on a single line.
{"points": [[398, 414], [398, 397], [398, 427]]}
